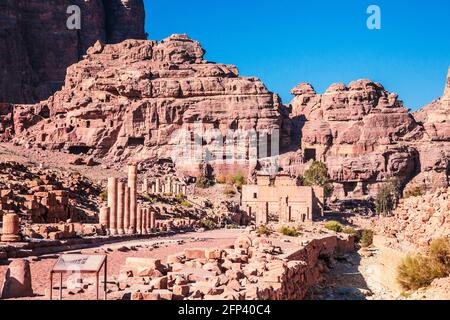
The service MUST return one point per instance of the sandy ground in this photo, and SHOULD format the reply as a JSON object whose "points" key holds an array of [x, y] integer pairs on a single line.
{"points": [[40, 267]]}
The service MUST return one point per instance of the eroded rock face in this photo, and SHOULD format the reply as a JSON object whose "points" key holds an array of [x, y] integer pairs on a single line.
{"points": [[419, 220], [361, 131], [436, 116], [36, 46], [130, 100], [434, 148]]}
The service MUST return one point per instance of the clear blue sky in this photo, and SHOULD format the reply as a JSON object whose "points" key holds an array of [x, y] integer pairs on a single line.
{"points": [[285, 42]]}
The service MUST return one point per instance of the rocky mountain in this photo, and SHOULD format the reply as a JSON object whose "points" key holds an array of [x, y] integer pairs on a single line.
{"points": [[147, 100], [361, 131], [366, 136], [133, 100], [435, 117], [419, 220], [36, 47]]}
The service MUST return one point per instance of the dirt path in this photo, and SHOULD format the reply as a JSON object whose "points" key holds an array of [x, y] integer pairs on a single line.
{"points": [[117, 253], [353, 277]]}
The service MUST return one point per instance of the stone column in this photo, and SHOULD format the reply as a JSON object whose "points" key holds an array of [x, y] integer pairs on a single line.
{"points": [[152, 221], [126, 209], [139, 220], [168, 185], [144, 221], [284, 215], [112, 204], [11, 228], [104, 218], [132, 176], [184, 190], [120, 207], [149, 222], [157, 186], [145, 186], [152, 188]]}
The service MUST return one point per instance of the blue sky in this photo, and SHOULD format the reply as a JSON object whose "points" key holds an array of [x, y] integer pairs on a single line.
{"points": [[285, 42]]}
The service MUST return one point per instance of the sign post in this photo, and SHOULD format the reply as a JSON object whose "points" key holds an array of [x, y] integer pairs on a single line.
{"points": [[83, 264]]}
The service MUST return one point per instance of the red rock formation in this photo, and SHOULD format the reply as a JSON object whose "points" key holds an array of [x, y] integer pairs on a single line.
{"points": [[36, 46], [436, 116], [129, 100], [434, 148], [419, 220], [360, 131]]}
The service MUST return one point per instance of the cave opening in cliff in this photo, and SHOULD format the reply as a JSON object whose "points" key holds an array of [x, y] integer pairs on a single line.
{"points": [[349, 187], [135, 141], [79, 149], [310, 154]]}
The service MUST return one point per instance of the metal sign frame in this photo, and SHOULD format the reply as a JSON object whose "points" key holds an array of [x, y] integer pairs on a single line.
{"points": [[62, 267]]}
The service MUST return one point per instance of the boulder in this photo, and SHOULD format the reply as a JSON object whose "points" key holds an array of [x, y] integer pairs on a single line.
{"points": [[17, 282]]}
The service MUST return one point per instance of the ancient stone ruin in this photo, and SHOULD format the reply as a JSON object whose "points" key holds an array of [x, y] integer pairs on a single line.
{"points": [[282, 199], [253, 269]]}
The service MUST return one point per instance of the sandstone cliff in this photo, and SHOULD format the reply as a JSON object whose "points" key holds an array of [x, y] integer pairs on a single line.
{"points": [[434, 148], [361, 131], [419, 220], [130, 100], [36, 47], [436, 116]]}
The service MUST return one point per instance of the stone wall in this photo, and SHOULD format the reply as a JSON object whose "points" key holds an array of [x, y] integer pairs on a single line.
{"points": [[254, 269]]}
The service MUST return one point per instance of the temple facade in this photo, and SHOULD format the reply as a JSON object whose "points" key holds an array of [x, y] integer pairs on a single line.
{"points": [[282, 199]]}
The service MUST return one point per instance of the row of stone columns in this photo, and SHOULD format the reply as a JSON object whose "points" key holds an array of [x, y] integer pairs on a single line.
{"points": [[160, 187], [122, 214]]}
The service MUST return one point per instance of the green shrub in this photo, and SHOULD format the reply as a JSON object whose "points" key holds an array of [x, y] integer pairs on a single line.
{"points": [[317, 175], [148, 198], [384, 202], [104, 195], [334, 226], [238, 180], [204, 182], [229, 191], [350, 230], [208, 224], [180, 197], [38, 180], [186, 204], [263, 230], [289, 231], [440, 253], [418, 271], [415, 192], [366, 239]]}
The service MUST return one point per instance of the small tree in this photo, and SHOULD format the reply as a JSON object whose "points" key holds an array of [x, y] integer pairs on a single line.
{"points": [[204, 182], [317, 175], [388, 196], [385, 201]]}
